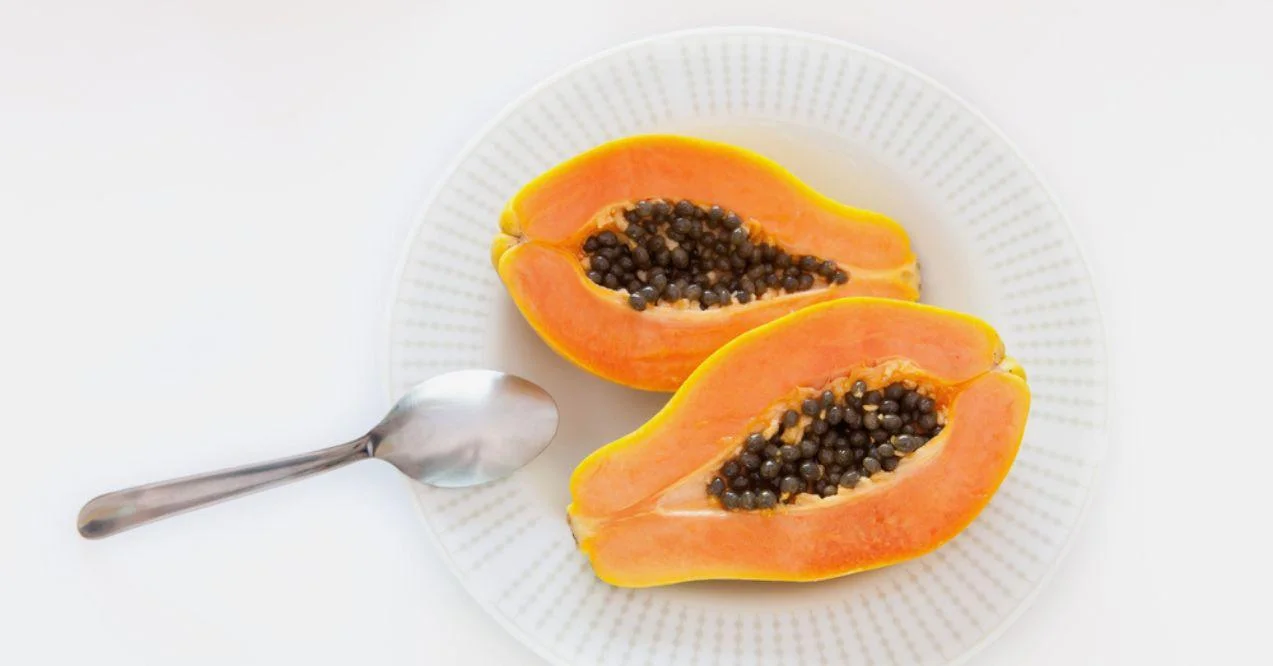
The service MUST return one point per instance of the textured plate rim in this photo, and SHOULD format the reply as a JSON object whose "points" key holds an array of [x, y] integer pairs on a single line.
{"points": [[1102, 435]]}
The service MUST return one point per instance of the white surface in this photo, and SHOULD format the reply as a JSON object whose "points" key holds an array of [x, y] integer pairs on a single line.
{"points": [[201, 207], [858, 127]]}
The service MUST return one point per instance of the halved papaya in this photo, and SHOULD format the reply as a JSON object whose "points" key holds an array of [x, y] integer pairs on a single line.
{"points": [[847, 436], [638, 259]]}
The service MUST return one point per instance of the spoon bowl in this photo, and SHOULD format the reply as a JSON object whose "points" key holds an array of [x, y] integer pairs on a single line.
{"points": [[476, 427], [458, 429]]}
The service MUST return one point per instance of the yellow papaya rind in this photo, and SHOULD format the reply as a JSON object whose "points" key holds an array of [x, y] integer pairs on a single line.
{"points": [[661, 348], [622, 551], [654, 350], [511, 220], [604, 519]]}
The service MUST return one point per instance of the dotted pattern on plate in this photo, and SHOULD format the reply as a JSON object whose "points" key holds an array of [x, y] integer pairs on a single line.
{"points": [[508, 542]]}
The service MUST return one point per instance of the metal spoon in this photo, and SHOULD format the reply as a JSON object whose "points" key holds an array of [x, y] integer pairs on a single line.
{"points": [[458, 429]]}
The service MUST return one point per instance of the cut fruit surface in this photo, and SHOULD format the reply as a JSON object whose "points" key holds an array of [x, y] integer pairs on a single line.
{"points": [[652, 507], [638, 259]]}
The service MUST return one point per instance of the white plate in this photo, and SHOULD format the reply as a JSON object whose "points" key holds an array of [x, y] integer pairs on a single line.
{"points": [[862, 129]]}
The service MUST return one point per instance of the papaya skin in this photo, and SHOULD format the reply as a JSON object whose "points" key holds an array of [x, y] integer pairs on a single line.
{"points": [[629, 510], [894, 520], [538, 258], [654, 350], [552, 207]]}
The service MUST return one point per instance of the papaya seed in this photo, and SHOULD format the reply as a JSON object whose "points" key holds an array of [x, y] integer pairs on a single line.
{"points": [[706, 245], [825, 442]]}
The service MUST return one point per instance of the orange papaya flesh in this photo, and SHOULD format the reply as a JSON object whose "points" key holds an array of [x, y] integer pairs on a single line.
{"points": [[744, 381], [547, 254], [641, 509]]}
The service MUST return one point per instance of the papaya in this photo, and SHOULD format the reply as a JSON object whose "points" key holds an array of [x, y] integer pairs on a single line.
{"points": [[846, 436], [638, 259]]}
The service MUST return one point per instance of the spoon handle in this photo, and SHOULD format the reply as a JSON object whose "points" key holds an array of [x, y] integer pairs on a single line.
{"points": [[118, 511]]}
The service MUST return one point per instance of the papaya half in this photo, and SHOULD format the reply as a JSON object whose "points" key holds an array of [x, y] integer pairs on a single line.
{"points": [[639, 258], [847, 436]]}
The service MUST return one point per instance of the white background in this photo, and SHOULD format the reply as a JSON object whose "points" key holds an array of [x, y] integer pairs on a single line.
{"points": [[202, 203]]}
